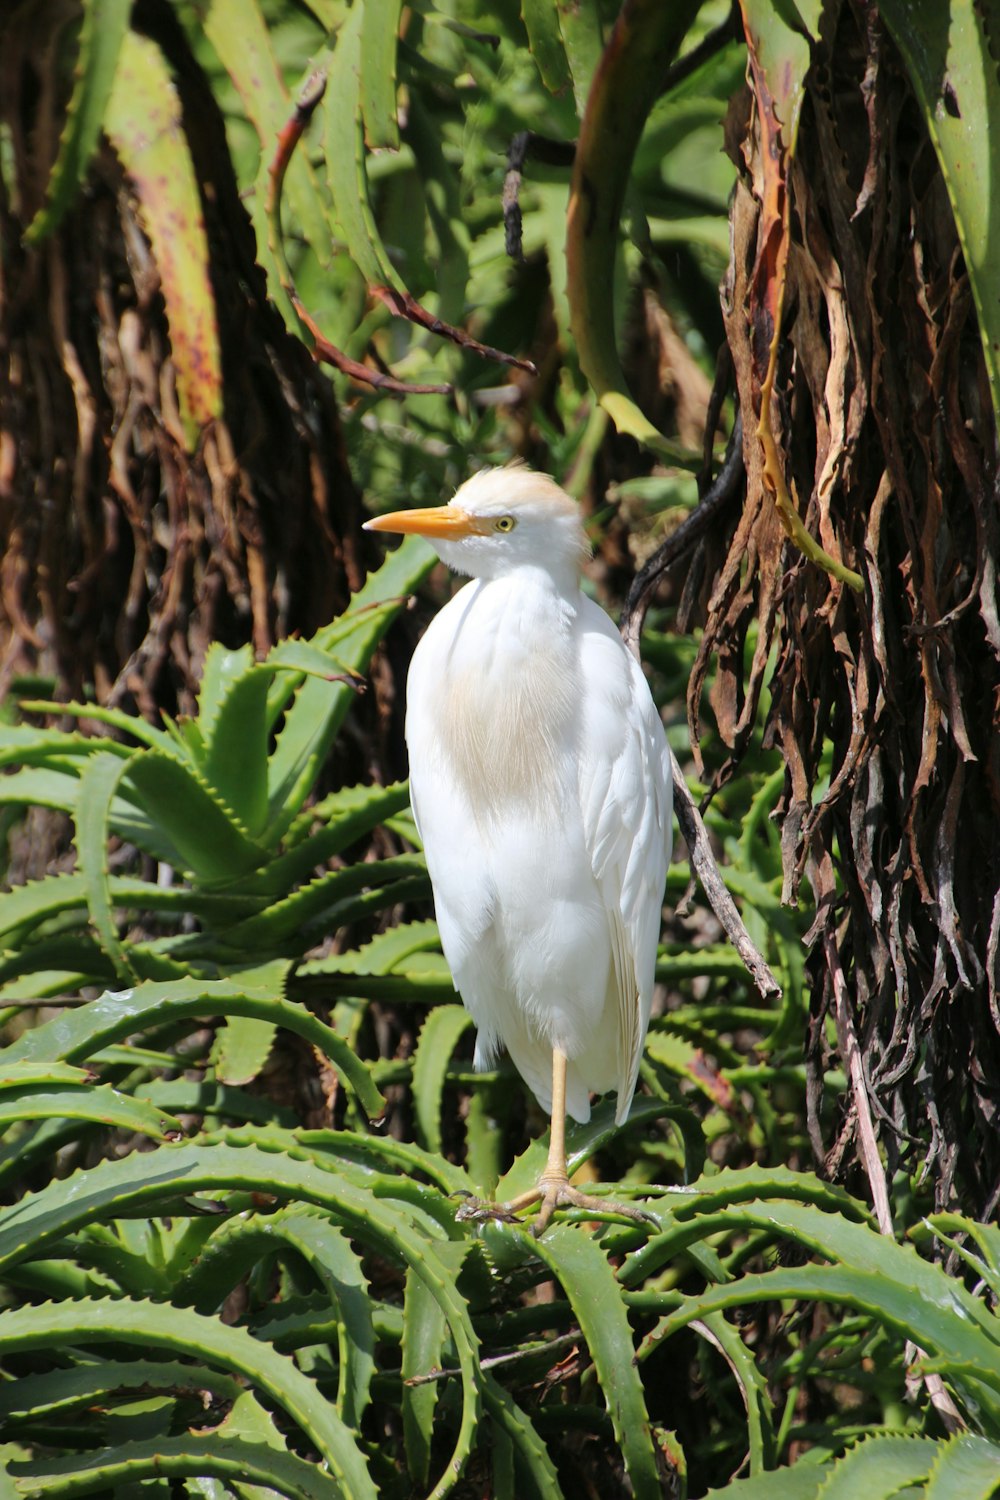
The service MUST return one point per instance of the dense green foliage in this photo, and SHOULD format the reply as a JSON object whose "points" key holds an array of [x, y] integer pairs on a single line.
{"points": [[237, 1111]]}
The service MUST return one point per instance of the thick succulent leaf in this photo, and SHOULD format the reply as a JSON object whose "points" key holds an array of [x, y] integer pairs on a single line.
{"points": [[345, 156], [966, 1468], [580, 26], [545, 42], [400, 948], [40, 787], [235, 761], [686, 1212], [416, 987], [330, 901], [181, 1331], [956, 1231], [221, 670], [964, 1353], [242, 41], [24, 907], [589, 1282], [424, 1331], [241, 1243], [144, 123], [113, 1471], [209, 838], [439, 1036], [336, 822], [800, 1483], [29, 1075], [753, 1384], [188, 1096], [382, 1154], [646, 36], [98, 786], [46, 741], [105, 23], [24, 744], [510, 1419], [99, 1105], [950, 55], [85, 1384], [80, 1033], [379, 34], [339, 1270], [312, 722], [879, 1467], [241, 1048], [130, 1186]]}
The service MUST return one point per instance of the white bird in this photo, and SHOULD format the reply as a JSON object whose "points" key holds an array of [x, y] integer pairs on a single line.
{"points": [[540, 784]]}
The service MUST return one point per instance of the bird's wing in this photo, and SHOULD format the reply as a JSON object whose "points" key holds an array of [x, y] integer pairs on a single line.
{"points": [[626, 803]]}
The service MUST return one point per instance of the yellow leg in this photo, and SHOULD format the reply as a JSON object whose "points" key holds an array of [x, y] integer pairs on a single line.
{"points": [[553, 1189]]}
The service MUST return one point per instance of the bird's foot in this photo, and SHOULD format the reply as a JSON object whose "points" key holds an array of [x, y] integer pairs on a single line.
{"points": [[550, 1193]]}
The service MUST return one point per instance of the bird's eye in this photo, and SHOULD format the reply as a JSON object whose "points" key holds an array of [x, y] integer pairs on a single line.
{"points": [[504, 523]]}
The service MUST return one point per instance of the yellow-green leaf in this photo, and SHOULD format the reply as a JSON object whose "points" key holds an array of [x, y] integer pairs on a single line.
{"points": [[145, 126]]}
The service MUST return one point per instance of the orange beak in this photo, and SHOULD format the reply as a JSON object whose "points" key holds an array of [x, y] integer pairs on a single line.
{"points": [[445, 521]]}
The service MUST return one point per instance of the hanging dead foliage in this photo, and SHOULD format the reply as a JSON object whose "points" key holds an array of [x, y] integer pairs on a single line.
{"points": [[881, 412], [123, 554]]}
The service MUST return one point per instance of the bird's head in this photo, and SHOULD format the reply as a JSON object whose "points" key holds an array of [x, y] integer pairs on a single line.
{"points": [[500, 520]]}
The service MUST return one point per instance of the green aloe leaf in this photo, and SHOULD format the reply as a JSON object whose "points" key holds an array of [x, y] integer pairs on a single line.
{"points": [[114, 1471], [45, 741], [241, 1049], [966, 1354], [314, 718], [424, 1331], [646, 36], [966, 1468], [545, 42], [98, 786], [439, 1036], [803, 1482], [80, 1033], [580, 25], [211, 842], [144, 123], [24, 1074], [379, 33], [98, 1105], [221, 670], [40, 787], [26, 906], [242, 40], [87, 1383], [879, 1467], [123, 1188], [382, 1154], [510, 1419], [332, 900], [235, 761], [241, 1243], [190, 1097], [753, 1385], [152, 1325], [339, 820], [345, 155], [949, 53], [105, 24], [595, 1296]]}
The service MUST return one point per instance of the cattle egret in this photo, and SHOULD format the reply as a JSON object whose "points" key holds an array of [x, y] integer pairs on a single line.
{"points": [[540, 784]]}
